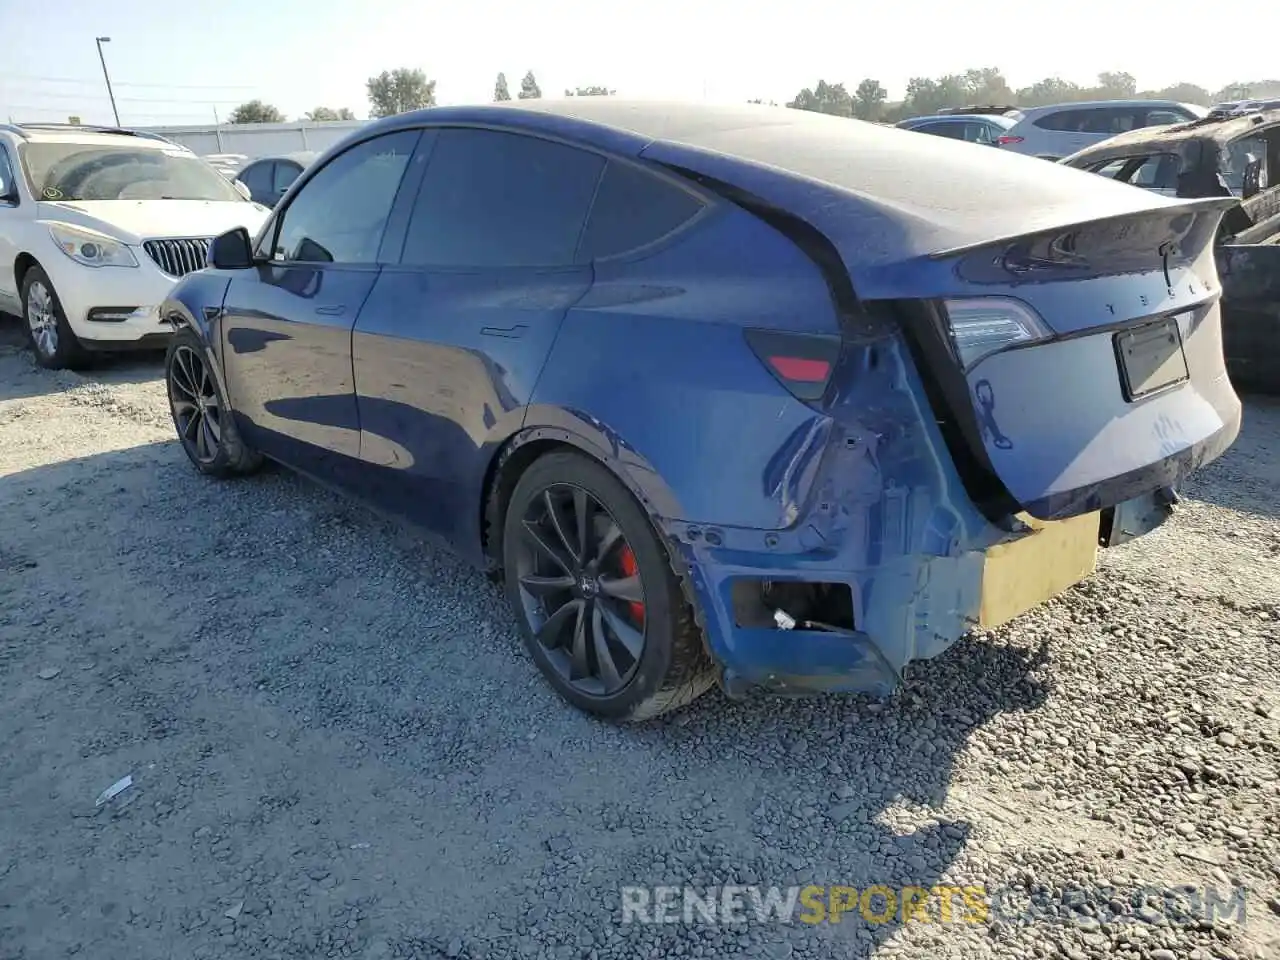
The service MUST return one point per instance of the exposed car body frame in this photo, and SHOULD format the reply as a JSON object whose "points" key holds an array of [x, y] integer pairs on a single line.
{"points": [[894, 488]]}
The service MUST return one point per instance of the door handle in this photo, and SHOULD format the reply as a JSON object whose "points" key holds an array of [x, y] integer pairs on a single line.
{"points": [[511, 333], [335, 310]]}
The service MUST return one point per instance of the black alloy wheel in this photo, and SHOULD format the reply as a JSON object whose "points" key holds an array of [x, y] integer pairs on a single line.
{"points": [[196, 411], [602, 610], [582, 590], [200, 414]]}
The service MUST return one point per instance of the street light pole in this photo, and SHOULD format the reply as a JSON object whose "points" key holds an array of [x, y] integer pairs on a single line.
{"points": [[107, 77]]}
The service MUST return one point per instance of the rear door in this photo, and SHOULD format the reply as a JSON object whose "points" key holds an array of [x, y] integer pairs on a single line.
{"points": [[455, 333], [287, 323]]}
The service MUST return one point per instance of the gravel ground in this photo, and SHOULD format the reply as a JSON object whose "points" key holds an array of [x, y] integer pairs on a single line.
{"points": [[338, 748]]}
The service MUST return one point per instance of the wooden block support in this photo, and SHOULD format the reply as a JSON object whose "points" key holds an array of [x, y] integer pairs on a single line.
{"points": [[1020, 575]]}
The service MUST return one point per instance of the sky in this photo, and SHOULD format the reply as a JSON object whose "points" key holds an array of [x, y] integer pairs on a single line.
{"points": [[171, 65]]}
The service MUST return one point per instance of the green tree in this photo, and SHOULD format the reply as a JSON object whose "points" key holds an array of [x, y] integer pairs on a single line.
{"points": [[869, 100], [1047, 91], [824, 98], [986, 85], [328, 113], [255, 111], [1115, 86], [398, 91], [529, 89], [1182, 92], [590, 92], [500, 91]]}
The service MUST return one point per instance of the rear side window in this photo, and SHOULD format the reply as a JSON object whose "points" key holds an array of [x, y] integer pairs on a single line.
{"points": [[1065, 120], [943, 128], [495, 199], [285, 173], [1158, 117], [257, 177], [634, 208]]}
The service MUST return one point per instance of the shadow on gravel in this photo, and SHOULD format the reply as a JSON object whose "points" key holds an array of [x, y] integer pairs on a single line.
{"points": [[892, 836], [29, 380], [340, 746]]}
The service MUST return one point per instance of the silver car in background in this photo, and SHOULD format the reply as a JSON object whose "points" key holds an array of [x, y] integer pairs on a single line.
{"points": [[1062, 129]]}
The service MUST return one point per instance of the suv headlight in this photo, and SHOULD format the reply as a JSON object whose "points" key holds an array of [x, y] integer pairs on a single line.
{"points": [[90, 248]]}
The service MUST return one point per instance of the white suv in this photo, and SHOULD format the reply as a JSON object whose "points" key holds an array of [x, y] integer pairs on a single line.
{"points": [[96, 226], [1062, 129]]}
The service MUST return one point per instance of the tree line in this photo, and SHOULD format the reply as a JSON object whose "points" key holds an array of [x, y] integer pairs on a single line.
{"points": [[987, 86], [397, 91]]}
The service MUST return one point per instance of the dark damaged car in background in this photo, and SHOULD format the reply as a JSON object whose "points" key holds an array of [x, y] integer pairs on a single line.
{"points": [[734, 394], [1227, 155]]}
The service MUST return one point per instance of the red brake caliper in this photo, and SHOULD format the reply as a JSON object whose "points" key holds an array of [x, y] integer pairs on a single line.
{"points": [[627, 560]]}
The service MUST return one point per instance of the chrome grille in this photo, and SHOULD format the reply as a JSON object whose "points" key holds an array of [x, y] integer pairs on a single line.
{"points": [[178, 257]]}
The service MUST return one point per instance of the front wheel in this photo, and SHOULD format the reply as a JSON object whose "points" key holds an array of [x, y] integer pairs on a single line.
{"points": [[201, 416], [52, 340], [601, 609]]}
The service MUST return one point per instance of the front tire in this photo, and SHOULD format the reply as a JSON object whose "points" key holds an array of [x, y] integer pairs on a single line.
{"points": [[206, 428], [601, 610], [52, 341]]}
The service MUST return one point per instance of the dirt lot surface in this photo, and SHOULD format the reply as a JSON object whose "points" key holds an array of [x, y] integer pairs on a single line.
{"points": [[338, 748]]}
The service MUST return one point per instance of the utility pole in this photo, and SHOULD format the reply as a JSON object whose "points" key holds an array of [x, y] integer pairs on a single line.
{"points": [[106, 76]]}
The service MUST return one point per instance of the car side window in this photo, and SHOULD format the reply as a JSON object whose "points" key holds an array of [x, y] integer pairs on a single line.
{"points": [[1112, 168], [8, 184], [1062, 120], [286, 171], [951, 129], [977, 132], [340, 213], [634, 208], [257, 177], [1159, 117], [496, 199]]}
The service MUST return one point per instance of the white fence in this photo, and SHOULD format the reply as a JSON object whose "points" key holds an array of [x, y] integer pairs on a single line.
{"points": [[259, 139]]}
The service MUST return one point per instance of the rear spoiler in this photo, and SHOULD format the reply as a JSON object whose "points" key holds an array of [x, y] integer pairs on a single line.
{"points": [[1195, 207]]}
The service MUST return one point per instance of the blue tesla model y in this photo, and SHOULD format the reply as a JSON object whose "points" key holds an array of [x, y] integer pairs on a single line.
{"points": [[719, 393]]}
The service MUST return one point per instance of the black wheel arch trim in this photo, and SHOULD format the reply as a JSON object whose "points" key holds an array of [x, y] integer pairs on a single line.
{"points": [[656, 499]]}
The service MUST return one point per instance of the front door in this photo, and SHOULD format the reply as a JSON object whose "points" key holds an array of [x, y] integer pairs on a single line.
{"points": [[451, 341], [287, 322]]}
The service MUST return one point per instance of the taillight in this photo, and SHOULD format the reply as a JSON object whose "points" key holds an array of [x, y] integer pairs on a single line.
{"points": [[1006, 140], [981, 326], [801, 362]]}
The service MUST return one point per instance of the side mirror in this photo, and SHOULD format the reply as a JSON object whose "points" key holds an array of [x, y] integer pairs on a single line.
{"points": [[242, 189], [232, 250], [1252, 178]]}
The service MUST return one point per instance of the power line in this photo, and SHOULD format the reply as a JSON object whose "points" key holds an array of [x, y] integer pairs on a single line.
{"points": [[103, 96], [94, 80], [199, 116]]}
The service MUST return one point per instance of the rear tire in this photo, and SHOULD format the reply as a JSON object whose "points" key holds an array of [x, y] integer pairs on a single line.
{"points": [[53, 343], [628, 647], [204, 422]]}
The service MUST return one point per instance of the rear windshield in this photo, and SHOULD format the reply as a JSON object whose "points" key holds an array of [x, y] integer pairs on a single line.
{"points": [[82, 171], [1235, 158]]}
